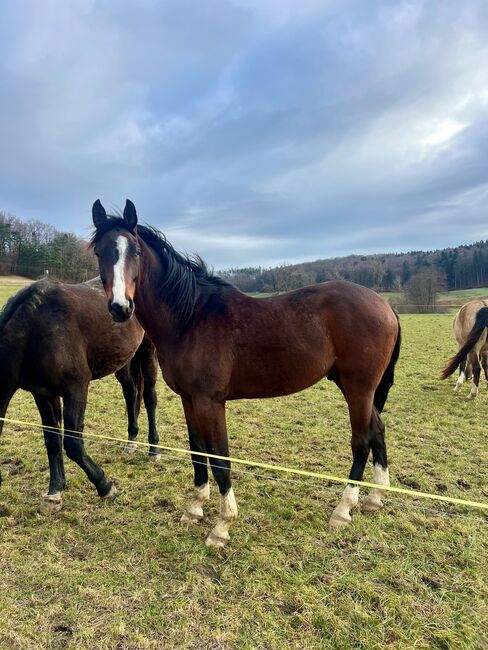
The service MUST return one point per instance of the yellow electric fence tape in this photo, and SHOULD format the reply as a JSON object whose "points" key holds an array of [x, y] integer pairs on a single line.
{"points": [[274, 468]]}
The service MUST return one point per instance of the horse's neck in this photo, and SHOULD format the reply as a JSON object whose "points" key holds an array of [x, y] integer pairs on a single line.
{"points": [[152, 311]]}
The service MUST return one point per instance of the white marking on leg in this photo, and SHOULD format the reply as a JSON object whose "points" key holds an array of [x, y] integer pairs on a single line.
{"points": [[111, 494], [342, 513], [119, 273], [195, 511], [228, 512], [373, 500], [51, 503], [474, 391], [460, 381]]}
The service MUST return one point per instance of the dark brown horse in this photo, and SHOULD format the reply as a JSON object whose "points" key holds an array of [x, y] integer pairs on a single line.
{"points": [[215, 344], [54, 339]]}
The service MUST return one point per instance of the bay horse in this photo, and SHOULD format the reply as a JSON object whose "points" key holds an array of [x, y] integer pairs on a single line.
{"points": [[54, 339], [471, 331], [215, 344]]}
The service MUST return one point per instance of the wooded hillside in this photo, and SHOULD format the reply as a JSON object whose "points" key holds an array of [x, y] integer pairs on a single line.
{"points": [[463, 267], [34, 249]]}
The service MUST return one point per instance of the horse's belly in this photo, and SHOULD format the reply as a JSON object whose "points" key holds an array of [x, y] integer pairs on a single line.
{"points": [[275, 376]]}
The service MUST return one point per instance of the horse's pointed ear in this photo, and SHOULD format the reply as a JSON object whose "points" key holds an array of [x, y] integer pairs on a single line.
{"points": [[130, 214], [98, 214]]}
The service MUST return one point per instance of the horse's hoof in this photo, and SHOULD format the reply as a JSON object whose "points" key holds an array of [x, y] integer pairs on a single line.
{"points": [[471, 396], [457, 388], [130, 447], [371, 504], [215, 541], [338, 521], [191, 518], [51, 503], [111, 494], [155, 458]]}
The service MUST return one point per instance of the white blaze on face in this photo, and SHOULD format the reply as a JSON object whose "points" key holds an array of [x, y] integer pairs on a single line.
{"points": [[119, 273]]}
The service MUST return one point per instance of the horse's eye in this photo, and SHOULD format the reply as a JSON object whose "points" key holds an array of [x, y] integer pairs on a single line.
{"points": [[97, 254], [138, 251]]}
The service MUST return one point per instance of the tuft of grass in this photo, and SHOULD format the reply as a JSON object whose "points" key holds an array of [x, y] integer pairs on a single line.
{"points": [[128, 575]]}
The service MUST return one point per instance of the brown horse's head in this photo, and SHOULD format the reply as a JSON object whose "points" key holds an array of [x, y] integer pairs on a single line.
{"points": [[116, 246]]}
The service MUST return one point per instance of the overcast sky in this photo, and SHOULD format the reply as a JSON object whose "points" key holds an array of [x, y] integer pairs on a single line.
{"points": [[251, 131]]}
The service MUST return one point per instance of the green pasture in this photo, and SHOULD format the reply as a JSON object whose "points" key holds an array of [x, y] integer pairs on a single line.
{"points": [[7, 290], [127, 575]]}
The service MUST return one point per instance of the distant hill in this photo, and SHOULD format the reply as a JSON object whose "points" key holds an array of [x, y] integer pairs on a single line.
{"points": [[33, 249], [464, 267]]}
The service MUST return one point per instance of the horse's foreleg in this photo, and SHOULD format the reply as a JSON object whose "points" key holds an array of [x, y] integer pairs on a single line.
{"points": [[360, 409], [150, 372], [130, 396], [373, 501], [6, 395], [212, 430], [200, 468], [50, 412], [74, 413]]}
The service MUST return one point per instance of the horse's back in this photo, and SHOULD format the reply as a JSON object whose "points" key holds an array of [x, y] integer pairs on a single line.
{"points": [[291, 341], [348, 309]]}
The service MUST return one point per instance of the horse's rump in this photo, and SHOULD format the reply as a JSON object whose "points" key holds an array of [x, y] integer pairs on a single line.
{"points": [[478, 330]]}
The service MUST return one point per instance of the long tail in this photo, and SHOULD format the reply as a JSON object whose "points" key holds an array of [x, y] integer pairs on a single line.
{"points": [[381, 393], [479, 325]]}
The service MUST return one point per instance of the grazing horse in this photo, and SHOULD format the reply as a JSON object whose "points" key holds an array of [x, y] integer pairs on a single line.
{"points": [[215, 344], [54, 339], [470, 329]]}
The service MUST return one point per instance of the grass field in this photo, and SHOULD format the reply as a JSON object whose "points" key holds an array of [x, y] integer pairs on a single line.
{"points": [[127, 575], [10, 284]]}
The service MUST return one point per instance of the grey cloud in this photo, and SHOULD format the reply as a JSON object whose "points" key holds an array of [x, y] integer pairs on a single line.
{"points": [[252, 132]]}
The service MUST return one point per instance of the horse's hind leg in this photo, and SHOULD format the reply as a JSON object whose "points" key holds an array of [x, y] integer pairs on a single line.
{"points": [[360, 403], [50, 412], [130, 395], [474, 360], [484, 364], [74, 413], [463, 375], [373, 501]]}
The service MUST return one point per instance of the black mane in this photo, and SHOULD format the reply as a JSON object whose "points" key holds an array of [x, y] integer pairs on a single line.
{"points": [[187, 277]]}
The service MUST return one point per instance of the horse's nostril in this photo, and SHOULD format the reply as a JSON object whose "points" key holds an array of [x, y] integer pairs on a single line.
{"points": [[119, 312]]}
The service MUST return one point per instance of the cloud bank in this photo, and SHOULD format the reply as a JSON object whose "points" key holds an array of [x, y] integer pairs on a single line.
{"points": [[251, 132]]}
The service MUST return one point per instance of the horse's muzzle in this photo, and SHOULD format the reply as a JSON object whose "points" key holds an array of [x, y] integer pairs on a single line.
{"points": [[121, 313]]}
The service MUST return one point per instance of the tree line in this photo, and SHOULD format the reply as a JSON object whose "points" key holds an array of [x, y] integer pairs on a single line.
{"points": [[464, 267], [35, 249]]}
